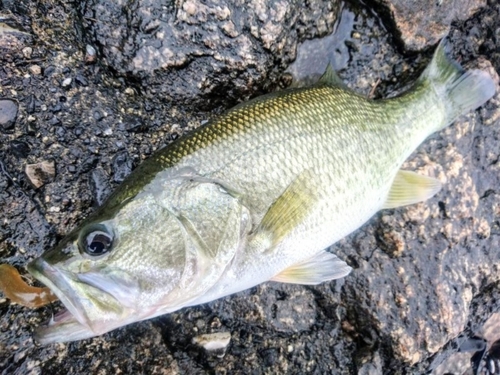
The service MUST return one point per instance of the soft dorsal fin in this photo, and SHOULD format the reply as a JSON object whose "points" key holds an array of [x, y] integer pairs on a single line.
{"points": [[330, 77], [409, 188], [320, 268]]}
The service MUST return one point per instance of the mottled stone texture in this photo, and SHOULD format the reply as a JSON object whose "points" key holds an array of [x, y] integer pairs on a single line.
{"points": [[421, 23], [203, 50]]}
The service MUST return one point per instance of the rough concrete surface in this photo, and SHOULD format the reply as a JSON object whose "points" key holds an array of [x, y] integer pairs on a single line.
{"points": [[98, 90]]}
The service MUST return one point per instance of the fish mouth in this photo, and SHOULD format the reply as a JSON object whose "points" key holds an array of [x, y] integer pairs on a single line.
{"points": [[71, 323]]}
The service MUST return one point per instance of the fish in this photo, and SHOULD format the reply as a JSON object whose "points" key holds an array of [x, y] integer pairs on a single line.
{"points": [[256, 194]]}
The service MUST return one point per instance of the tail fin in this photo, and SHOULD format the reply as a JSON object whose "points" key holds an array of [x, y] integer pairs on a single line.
{"points": [[461, 90]]}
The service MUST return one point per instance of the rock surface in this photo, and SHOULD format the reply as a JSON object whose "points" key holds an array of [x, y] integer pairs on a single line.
{"points": [[422, 23], [195, 52], [423, 275]]}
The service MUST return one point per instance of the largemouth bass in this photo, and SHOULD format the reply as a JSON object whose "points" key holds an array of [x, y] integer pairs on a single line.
{"points": [[254, 195]]}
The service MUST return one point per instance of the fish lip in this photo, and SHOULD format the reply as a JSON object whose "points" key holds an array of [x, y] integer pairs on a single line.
{"points": [[57, 282], [125, 295]]}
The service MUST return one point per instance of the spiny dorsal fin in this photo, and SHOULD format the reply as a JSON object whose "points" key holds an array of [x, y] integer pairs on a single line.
{"points": [[409, 188], [330, 77], [320, 268]]}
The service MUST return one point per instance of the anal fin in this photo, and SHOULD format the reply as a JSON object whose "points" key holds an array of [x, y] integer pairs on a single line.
{"points": [[409, 188], [322, 267]]}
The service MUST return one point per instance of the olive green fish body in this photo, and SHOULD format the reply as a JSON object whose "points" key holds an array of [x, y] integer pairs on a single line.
{"points": [[342, 148], [256, 194]]}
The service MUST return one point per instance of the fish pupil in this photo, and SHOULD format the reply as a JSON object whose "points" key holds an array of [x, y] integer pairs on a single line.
{"points": [[98, 243]]}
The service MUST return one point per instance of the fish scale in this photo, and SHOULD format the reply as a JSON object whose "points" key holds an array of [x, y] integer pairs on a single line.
{"points": [[256, 194]]}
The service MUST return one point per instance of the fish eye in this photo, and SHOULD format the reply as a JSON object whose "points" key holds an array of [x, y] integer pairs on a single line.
{"points": [[97, 241]]}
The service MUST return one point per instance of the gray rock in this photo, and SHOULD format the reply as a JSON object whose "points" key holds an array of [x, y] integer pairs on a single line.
{"points": [[40, 173], [12, 35], [203, 50], [8, 113], [424, 22], [314, 55]]}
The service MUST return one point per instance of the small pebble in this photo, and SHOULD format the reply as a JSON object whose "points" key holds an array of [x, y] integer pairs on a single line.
{"points": [[67, 82], [90, 54], [122, 165], [81, 80], [55, 121], [27, 52], [40, 173], [99, 184], [189, 7], [31, 104], [30, 128], [98, 115], [8, 113], [135, 124], [36, 70], [49, 70], [214, 342]]}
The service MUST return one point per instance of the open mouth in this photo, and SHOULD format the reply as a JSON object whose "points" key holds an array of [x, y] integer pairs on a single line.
{"points": [[68, 324], [95, 302], [58, 282]]}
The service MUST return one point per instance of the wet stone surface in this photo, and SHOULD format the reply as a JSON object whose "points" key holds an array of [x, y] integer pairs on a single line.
{"points": [[422, 23], [422, 275], [194, 52]]}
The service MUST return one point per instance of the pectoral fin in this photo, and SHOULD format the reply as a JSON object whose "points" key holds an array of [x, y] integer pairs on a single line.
{"points": [[322, 267], [286, 213], [409, 188]]}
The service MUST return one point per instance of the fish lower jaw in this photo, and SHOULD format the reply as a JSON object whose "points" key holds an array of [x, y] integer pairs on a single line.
{"points": [[58, 284], [69, 324], [62, 327]]}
